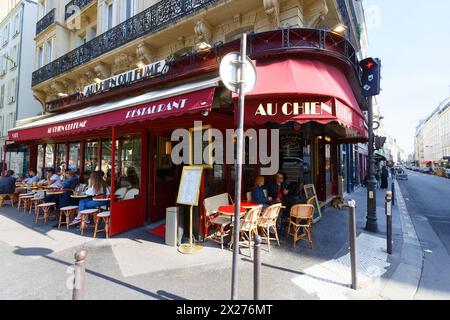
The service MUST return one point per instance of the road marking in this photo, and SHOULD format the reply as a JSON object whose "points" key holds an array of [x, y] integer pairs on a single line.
{"points": [[428, 251]]}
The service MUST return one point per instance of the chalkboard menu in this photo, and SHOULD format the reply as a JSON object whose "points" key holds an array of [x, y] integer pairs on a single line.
{"points": [[310, 192], [190, 184]]}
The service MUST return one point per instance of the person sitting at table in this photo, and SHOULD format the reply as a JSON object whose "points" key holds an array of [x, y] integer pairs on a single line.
{"points": [[53, 180], [295, 196], [64, 200], [97, 186], [278, 189], [8, 183], [258, 195], [132, 177], [32, 178]]}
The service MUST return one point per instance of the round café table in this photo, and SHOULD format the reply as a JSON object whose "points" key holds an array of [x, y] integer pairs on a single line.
{"points": [[79, 196], [228, 211], [248, 204]]}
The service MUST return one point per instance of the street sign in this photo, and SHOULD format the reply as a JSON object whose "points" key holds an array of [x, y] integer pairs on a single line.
{"points": [[229, 72], [371, 77]]}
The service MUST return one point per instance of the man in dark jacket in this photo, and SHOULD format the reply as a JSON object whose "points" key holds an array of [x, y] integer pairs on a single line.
{"points": [[278, 189], [8, 183]]}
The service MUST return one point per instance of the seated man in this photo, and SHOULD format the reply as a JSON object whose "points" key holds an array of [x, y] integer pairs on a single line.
{"points": [[8, 183], [53, 180], [69, 185], [277, 190], [32, 178]]}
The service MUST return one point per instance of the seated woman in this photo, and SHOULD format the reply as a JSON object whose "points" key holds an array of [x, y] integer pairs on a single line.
{"points": [[53, 180], [97, 186], [258, 195]]}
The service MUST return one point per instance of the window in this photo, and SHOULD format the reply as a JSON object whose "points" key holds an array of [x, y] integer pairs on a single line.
{"points": [[12, 90], [5, 35], [49, 156], [74, 157], [48, 51], [109, 16], [2, 98], [40, 57], [128, 9], [4, 65], [13, 58], [129, 162], [1, 126], [16, 28], [40, 160], [91, 159]]}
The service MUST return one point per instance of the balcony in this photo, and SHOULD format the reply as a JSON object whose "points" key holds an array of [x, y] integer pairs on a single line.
{"points": [[276, 43], [46, 21], [75, 6], [151, 20]]}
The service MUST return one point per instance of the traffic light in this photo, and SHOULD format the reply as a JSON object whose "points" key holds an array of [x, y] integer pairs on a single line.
{"points": [[371, 76]]}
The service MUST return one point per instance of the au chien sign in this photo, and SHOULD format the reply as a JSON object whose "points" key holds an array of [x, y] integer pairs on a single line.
{"points": [[148, 71]]}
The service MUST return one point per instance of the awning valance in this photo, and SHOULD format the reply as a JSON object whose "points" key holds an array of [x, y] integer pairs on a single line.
{"points": [[189, 98], [304, 91]]}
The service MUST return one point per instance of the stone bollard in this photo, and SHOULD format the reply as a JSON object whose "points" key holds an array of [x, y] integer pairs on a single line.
{"points": [[80, 270]]}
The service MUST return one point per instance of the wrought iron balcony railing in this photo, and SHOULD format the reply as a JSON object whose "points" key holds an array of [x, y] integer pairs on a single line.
{"points": [[151, 20], [75, 5], [46, 21]]}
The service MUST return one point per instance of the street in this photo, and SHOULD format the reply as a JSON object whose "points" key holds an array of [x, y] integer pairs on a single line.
{"points": [[428, 202]]}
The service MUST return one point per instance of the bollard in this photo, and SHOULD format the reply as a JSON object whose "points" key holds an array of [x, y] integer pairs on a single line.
{"points": [[388, 209], [80, 268], [352, 238], [257, 269], [393, 193]]}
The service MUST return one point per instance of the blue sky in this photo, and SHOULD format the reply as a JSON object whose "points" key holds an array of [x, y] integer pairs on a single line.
{"points": [[412, 37]]}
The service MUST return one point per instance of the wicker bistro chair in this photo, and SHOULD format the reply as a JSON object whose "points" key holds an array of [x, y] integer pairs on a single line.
{"points": [[213, 219], [249, 226], [268, 221], [301, 218]]}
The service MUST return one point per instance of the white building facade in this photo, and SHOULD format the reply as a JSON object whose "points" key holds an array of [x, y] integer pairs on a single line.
{"points": [[432, 141], [17, 31]]}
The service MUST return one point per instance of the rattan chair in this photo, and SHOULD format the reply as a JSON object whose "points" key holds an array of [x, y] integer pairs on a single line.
{"points": [[301, 218], [249, 226], [268, 221]]}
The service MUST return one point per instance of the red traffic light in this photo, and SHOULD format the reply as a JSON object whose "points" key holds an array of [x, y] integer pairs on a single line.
{"points": [[370, 64]]}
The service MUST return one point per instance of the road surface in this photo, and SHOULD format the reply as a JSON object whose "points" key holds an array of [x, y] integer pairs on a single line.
{"points": [[427, 199]]}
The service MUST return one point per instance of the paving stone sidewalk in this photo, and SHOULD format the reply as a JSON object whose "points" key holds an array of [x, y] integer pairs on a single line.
{"points": [[37, 263]]}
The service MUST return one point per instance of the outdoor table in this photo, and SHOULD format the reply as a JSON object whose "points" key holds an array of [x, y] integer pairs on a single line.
{"points": [[249, 204], [105, 199], [55, 193], [79, 196]]}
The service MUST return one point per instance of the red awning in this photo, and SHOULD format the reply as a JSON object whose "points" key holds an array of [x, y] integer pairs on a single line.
{"points": [[303, 91], [118, 113]]}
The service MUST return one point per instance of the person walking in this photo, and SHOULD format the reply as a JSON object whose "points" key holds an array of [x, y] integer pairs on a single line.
{"points": [[384, 178]]}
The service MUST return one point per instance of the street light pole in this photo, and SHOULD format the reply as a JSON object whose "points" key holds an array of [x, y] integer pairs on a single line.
{"points": [[372, 182]]}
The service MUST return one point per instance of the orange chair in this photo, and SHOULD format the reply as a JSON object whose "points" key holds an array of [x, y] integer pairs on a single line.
{"points": [[249, 226]]}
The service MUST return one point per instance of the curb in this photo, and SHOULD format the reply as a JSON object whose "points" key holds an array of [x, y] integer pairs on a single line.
{"points": [[405, 281]]}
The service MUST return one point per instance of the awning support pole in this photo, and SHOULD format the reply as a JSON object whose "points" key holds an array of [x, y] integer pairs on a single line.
{"points": [[4, 158]]}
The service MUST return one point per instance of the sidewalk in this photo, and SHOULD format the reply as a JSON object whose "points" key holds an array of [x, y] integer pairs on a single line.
{"points": [[38, 260]]}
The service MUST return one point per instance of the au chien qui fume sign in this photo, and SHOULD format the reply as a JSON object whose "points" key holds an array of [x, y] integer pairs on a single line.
{"points": [[148, 71]]}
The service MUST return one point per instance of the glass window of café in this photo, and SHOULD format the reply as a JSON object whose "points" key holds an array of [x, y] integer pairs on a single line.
{"points": [[91, 159], [61, 153], [50, 156], [40, 160], [128, 162], [74, 157], [106, 156]]}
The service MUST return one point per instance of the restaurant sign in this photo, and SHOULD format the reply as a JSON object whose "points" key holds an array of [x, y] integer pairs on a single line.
{"points": [[146, 72]]}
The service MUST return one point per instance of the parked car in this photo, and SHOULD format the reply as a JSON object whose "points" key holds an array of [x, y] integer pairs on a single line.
{"points": [[427, 170], [447, 173]]}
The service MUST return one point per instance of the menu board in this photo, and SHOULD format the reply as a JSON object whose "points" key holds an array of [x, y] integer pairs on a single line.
{"points": [[190, 184], [310, 192]]}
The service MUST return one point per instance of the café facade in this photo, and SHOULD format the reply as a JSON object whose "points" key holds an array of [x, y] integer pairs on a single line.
{"points": [[308, 88]]}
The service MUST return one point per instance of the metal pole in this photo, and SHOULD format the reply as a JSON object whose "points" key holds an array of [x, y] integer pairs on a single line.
{"points": [[372, 182], [238, 186], [4, 159], [388, 208], [257, 269], [352, 240], [80, 268], [393, 193]]}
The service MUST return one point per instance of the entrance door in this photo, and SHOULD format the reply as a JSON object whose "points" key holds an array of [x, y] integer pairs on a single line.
{"points": [[165, 178]]}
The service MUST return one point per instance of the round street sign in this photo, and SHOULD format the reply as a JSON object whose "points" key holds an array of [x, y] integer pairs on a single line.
{"points": [[229, 72]]}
